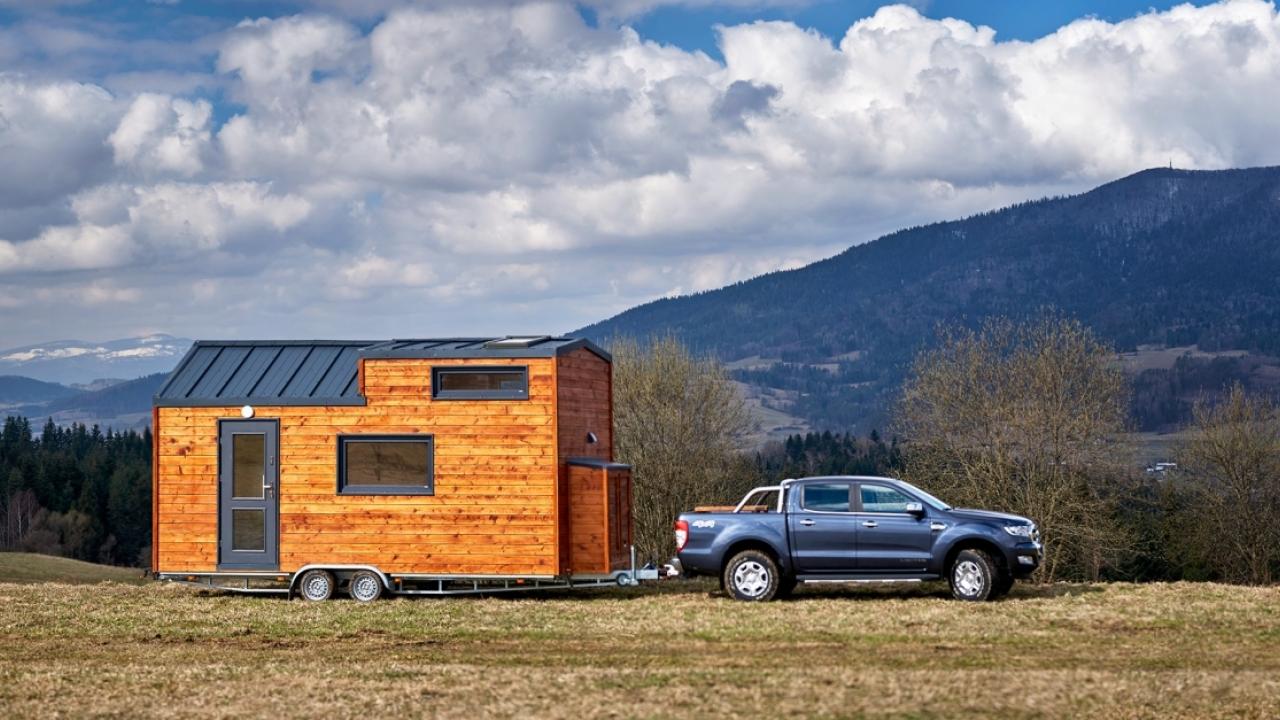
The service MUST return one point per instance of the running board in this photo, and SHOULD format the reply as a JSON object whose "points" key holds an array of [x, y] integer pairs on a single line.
{"points": [[866, 578]]}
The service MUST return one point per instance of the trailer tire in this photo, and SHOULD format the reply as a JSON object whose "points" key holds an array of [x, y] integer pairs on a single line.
{"points": [[751, 576], [316, 585], [365, 586]]}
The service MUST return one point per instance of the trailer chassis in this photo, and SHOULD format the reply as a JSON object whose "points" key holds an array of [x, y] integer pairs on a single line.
{"points": [[411, 584]]}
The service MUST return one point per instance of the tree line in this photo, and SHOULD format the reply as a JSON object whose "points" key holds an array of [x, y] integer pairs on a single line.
{"points": [[1029, 417], [76, 492]]}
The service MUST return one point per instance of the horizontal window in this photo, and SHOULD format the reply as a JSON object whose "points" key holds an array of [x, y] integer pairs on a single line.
{"points": [[386, 465], [480, 383]]}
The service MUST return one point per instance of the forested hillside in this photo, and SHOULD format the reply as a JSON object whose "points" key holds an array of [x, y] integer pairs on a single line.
{"points": [[1162, 258], [75, 492]]}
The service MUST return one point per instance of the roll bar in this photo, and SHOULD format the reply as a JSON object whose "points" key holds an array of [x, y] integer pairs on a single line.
{"points": [[779, 488]]}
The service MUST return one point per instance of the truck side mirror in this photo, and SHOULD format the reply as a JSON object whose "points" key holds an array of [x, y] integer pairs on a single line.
{"points": [[915, 508]]}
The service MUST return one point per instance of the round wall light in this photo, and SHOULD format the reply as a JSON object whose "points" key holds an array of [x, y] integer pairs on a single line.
{"points": [[246, 411]]}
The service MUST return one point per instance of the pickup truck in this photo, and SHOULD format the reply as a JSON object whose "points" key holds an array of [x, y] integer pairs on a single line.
{"points": [[843, 529]]}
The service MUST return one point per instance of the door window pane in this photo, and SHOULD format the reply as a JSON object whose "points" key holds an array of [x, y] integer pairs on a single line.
{"points": [[826, 497], [248, 530], [248, 464], [878, 498]]}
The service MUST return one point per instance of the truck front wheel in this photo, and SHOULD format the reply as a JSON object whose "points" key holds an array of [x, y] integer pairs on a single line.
{"points": [[752, 576], [973, 576]]}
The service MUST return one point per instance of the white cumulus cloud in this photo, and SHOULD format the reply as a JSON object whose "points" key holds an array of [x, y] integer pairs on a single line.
{"points": [[487, 167]]}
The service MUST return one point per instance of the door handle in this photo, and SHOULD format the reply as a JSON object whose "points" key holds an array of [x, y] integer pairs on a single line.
{"points": [[870, 524], [807, 522]]}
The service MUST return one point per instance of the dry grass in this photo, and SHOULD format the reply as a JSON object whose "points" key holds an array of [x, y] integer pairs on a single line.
{"points": [[1114, 651]]}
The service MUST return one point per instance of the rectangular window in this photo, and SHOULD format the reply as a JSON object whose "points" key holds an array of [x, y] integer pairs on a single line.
{"points": [[386, 465], [826, 497], [878, 498], [480, 383]]}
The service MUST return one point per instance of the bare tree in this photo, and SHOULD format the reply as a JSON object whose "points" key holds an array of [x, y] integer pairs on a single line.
{"points": [[681, 424], [1027, 418], [1230, 466]]}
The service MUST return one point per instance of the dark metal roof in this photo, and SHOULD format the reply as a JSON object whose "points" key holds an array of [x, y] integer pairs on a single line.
{"points": [[511, 346], [322, 372]]}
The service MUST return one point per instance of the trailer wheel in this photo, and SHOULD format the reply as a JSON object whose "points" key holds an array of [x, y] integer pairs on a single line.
{"points": [[316, 585], [751, 575], [365, 586]]}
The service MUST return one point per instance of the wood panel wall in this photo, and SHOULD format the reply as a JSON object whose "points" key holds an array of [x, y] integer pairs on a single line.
{"points": [[584, 393], [599, 501], [494, 511], [585, 399]]}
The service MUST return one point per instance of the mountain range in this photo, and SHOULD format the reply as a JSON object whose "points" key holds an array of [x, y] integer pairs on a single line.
{"points": [[1179, 269], [1158, 260], [78, 362]]}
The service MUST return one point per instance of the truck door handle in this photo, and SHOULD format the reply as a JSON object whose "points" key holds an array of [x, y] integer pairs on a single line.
{"points": [[807, 522], [870, 524]]}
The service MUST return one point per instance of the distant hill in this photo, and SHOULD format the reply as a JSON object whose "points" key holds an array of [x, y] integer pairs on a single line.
{"points": [[122, 406], [1162, 258], [17, 567], [76, 361], [18, 390]]}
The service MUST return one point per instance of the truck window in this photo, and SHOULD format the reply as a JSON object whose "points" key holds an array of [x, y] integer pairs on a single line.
{"points": [[826, 497], [878, 498]]}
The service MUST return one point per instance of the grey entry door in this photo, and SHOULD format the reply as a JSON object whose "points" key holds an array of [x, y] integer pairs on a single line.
{"points": [[248, 506]]}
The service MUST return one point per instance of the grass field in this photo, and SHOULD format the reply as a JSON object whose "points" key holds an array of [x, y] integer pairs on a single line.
{"points": [[1113, 651], [29, 567]]}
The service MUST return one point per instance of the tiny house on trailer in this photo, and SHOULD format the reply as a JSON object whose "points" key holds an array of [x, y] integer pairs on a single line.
{"points": [[407, 466]]}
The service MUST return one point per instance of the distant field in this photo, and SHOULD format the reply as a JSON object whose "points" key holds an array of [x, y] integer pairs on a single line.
{"points": [[1105, 651], [32, 568]]}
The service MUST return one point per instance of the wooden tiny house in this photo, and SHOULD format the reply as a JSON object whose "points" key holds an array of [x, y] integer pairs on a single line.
{"points": [[418, 459]]}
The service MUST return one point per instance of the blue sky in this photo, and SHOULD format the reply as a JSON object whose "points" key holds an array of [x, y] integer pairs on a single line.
{"points": [[339, 168], [694, 28]]}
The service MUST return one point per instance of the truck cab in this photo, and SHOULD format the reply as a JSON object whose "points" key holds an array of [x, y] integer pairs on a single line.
{"points": [[850, 529]]}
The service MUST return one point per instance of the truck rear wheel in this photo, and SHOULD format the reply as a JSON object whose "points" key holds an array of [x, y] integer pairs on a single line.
{"points": [[973, 576], [752, 576]]}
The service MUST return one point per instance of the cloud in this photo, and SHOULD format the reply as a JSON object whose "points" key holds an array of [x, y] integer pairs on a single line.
{"points": [[478, 167], [160, 134], [120, 225]]}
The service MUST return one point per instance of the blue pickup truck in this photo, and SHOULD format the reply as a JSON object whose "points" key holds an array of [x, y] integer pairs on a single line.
{"points": [[842, 529]]}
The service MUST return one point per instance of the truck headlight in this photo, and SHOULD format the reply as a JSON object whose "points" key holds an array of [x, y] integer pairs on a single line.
{"points": [[1024, 531]]}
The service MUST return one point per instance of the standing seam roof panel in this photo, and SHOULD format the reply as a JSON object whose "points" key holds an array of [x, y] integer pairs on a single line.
{"points": [[251, 370], [344, 368], [192, 371], [308, 377], [216, 377], [278, 375]]}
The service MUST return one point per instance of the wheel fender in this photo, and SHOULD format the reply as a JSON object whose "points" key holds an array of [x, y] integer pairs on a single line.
{"points": [[293, 581], [761, 534], [953, 536]]}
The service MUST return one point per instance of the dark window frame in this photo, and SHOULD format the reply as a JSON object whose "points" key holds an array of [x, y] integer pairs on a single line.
{"points": [[438, 394], [428, 488]]}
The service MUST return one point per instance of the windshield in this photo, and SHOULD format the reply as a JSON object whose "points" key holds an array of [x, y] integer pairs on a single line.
{"points": [[932, 501]]}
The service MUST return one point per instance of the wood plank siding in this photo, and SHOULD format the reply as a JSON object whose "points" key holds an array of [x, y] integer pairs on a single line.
{"points": [[495, 506]]}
